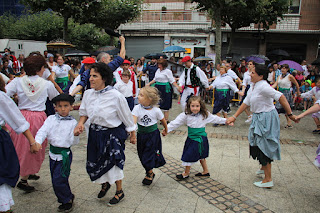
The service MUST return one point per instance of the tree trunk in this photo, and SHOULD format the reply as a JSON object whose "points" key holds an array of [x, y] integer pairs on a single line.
{"points": [[65, 28], [233, 31], [218, 43]]}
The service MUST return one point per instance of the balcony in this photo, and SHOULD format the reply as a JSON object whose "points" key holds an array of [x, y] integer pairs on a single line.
{"points": [[169, 20]]}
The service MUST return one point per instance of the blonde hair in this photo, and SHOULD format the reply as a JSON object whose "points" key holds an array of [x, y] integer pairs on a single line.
{"points": [[203, 108], [224, 67], [152, 94]]}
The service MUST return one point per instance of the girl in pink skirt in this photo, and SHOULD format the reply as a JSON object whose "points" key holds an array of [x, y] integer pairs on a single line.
{"points": [[32, 92]]}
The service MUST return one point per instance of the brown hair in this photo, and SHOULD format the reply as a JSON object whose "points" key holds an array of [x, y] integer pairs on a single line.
{"points": [[163, 62], [126, 73], [285, 66], [203, 108], [33, 64], [152, 93], [2, 84]]}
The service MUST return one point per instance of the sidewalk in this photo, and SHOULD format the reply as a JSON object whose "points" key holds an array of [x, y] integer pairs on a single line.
{"points": [[229, 189]]}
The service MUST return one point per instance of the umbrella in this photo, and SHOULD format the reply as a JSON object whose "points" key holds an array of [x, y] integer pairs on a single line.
{"points": [[202, 58], [155, 55], [77, 53], [265, 58], [292, 65], [316, 62], [279, 52], [174, 49], [255, 59]]}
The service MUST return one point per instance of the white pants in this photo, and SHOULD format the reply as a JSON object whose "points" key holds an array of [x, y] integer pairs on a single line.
{"points": [[186, 92]]}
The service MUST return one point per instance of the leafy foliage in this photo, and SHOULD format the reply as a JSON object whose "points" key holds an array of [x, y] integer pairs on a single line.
{"points": [[47, 26]]}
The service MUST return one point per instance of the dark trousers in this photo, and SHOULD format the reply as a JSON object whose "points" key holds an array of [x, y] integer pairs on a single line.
{"points": [[60, 184]]}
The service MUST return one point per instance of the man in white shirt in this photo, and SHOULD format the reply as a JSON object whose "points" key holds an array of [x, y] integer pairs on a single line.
{"points": [[192, 78]]}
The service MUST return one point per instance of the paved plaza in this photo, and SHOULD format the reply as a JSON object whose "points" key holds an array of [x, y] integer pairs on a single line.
{"points": [[229, 189]]}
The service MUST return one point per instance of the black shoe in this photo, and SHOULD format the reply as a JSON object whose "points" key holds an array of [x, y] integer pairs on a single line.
{"points": [[104, 189], [115, 200], [25, 187], [202, 175], [181, 177], [146, 181], [33, 177], [67, 207]]}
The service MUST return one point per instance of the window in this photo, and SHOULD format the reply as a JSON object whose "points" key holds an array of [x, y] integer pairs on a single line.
{"points": [[294, 7], [20, 46]]}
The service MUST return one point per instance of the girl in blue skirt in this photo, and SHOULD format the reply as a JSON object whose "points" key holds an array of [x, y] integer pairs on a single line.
{"points": [[163, 81], [196, 146], [9, 162], [222, 85], [148, 137]]}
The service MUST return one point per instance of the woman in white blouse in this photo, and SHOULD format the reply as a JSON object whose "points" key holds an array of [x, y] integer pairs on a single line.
{"points": [[110, 119], [264, 131], [61, 73], [163, 79], [32, 92]]}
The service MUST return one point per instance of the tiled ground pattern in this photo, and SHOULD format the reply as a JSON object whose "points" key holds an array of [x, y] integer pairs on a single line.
{"points": [[214, 192], [245, 138]]}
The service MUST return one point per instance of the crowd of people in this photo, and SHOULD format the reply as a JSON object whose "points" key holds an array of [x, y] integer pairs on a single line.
{"points": [[122, 96]]}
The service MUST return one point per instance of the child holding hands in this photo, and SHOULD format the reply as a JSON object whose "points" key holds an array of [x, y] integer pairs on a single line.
{"points": [[149, 146], [196, 146], [59, 129]]}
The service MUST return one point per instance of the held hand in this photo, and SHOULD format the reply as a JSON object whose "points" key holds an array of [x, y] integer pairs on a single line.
{"points": [[230, 120], [133, 138], [297, 118], [241, 93], [78, 130], [164, 132], [208, 88], [180, 89], [36, 147]]}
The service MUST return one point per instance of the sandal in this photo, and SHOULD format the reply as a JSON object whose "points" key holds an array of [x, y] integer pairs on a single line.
{"points": [[146, 181], [202, 175], [104, 189], [181, 177], [116, 200], [316, 131]]}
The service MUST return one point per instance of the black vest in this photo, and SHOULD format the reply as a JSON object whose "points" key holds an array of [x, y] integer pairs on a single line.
{"points": [[195, 81]]}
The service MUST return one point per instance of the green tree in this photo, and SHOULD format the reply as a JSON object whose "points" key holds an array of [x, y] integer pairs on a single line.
{"points": [[241, 13], [65, 8], [47, 26]]}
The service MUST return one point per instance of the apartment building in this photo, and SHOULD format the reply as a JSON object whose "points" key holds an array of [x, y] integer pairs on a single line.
{"points": [[175, 22]]}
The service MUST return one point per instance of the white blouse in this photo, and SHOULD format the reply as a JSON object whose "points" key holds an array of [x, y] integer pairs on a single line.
{"points": [[61, 71], [199, 73], [196, 121], [10, 114], [232, 74], [124, 88], [147, 117], [224, 82], [311, 93], [164, 76], [246, 79], [108, 109], [5, 78], [284, 82], [59, 133], [24, 102], [260, 97]]}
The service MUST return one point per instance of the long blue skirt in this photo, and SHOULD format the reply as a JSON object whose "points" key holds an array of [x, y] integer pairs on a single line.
{"points": [[105, 149], [245, 94], [221, 102], [166, 98], [191, 150], [149, 148], [49, 108], [9, 162], [65, 90]]}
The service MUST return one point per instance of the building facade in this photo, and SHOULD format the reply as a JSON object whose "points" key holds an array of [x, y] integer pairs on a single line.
{"points": [[175, 22]]}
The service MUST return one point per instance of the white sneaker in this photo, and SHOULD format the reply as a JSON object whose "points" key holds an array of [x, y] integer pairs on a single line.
{"points": [[264, 185], [249, 119]]}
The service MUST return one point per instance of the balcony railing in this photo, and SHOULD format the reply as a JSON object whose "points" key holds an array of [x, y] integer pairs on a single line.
{"points": [[172, 16]]}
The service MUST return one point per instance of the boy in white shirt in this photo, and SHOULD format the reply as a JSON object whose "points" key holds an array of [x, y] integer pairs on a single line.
{"points": [[125, 87], [58, 129]]}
